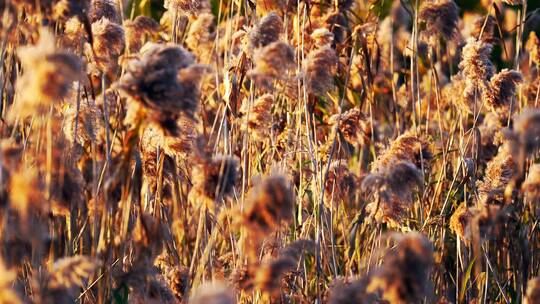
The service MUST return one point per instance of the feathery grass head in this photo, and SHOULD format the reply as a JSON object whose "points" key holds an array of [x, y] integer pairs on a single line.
{"points": [[26, 192], [341, 184], [65, 9], [527, 125], [87, 120], [269, 275], [109, 44], [460, 220], [266, 31], [531, 188], [441, 18], [407, 147], [320, 67], [190, 7], [269, 203], [201, 36], [47, 77], [100, 9], [498, 174], [391, 191], [476, 66], [533, 291], [484, 29], [404, 275], [271, 63], [259, 117], [533, 47], [502, 89], [353, 125], [215, 178], [322, 37], [165, 82], [138, 31]]}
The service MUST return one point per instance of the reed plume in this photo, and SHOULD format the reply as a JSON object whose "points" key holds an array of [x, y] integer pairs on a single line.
{"points": [[404, 275], [47, 78], [320, 68], [441, 18], [265, 32], [164, 82], [391, 191], [502, 89]]}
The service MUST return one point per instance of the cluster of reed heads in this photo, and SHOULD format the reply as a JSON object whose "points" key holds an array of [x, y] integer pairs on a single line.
{"points": [[269, 151]]}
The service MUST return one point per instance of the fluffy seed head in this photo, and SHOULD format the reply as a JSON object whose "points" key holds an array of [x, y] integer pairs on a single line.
{"points": [[165, 82], [525, 137], [502, 89], [475, 65], [259, 117], [533, 291], [138, 31], [103, 9], [533, 47], [498, 174], [404, 275], [201, 35], [441, 18], [271, 63], [270, 202], [353, 126], [484, 29], [215, 178], [47, 76], [65, 9], [391, 191], [460, 220], [266, 31], [322, 37], [320, 68], [190, 7], [407, 147], [269, 275], [88, 122], [531, 187], [341, 183], [109, 44]]}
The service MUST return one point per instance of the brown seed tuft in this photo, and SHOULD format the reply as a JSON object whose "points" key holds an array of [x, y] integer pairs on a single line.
{"points": [[259, 117], [353, 125], [272, 63], [441, 18], [404, 275], [138, 31], [100, 9], [391, 191], [460, 220], [502, 89], [47, 76], [266, 31], [270, 202], [109, 44], [215, 178], [533, 291], [190, 7], [320, 68], [165, 82], [476, 67]]}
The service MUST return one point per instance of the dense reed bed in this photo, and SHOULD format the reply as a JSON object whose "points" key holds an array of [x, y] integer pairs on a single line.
{"points": [[269, 151]]}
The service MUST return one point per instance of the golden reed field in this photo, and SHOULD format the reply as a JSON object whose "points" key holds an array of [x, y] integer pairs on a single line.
{"points": [[270, 151]]}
